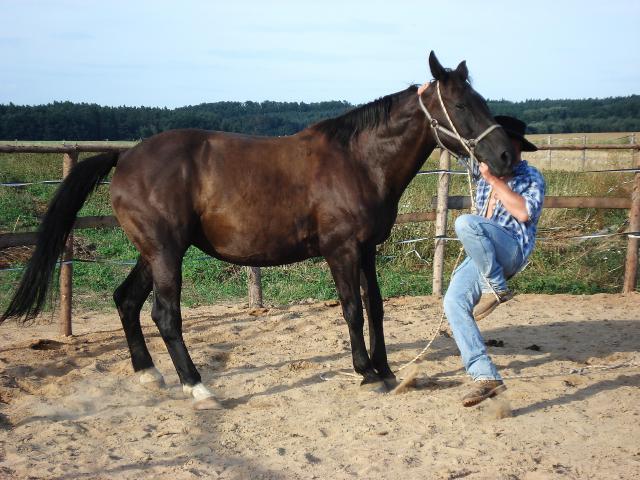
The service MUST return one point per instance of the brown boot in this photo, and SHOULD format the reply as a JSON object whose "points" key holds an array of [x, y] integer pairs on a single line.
{"points": [[488, 303], [483, 389]]}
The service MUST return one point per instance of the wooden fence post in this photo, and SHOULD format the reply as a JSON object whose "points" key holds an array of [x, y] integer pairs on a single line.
{"points": [[549, 152], [441, 223], [631, 264], [584, 153], [66, 269], [254, 279]]}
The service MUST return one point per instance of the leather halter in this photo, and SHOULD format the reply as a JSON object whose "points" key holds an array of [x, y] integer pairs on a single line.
{"points": [[469, 144]]}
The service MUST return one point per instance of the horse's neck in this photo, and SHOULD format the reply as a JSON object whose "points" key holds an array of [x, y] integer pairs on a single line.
{"points": [[395, 152]]}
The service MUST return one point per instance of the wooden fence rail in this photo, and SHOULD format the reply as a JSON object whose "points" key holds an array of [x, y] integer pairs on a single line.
{"points": [[74, 148], [439, 207], [107, 147], [586, 146], [453, 202]]}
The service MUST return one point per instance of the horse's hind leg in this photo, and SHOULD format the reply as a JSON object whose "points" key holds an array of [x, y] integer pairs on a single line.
{"points": [[167, 283], [130, 297]]}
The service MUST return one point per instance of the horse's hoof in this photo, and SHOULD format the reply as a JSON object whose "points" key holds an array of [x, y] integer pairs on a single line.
{"points": [[209, 403], [151, 377], [154, 385], [390, 382], [376, 387]]}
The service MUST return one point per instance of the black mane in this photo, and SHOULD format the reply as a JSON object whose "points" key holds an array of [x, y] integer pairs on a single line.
{"points": [[364, 117]]}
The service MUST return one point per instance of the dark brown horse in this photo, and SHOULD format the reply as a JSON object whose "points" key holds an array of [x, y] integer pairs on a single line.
{"points": [[331, 190]]}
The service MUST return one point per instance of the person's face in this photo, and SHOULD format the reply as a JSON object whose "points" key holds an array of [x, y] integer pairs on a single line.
{"points": [[517, 146]]}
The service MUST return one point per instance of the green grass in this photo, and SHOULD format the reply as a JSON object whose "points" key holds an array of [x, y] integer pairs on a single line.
{"points": [[557, 266]]}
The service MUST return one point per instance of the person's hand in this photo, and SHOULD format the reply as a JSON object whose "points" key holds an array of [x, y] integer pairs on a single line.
{"points": [[423, 87], [486, 173]]}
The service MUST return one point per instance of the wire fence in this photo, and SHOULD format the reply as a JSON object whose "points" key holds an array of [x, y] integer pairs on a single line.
{"points": [[588, 139], [633, 234], [21, 184]]}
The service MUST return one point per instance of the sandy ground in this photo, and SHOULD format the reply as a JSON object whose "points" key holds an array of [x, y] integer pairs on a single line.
{"points": [[73, 409]]}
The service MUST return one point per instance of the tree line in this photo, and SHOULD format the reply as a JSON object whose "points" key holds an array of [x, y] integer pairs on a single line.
{"points": [[85, 121]]}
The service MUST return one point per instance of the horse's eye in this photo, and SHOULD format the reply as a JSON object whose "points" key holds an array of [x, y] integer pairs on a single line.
{"points": [[460, 106]]}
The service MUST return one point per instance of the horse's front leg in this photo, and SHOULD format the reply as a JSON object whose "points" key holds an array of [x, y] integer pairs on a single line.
{"points": [[344, 263], [375, 314]]}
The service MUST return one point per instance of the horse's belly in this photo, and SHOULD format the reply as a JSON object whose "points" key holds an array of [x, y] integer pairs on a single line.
{"points": [[259, 243]]}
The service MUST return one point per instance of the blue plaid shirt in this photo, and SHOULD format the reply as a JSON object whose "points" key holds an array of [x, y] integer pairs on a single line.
{"points": [[528, 182]]}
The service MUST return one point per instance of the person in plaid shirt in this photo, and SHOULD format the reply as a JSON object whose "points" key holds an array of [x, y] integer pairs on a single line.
{"points": [[498, 241]]}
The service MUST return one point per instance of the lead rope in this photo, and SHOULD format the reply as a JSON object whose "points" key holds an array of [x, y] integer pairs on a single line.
{"points": [[437, 331], [471, 166], [469, 146]]}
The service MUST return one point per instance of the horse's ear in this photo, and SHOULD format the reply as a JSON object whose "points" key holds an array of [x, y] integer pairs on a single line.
{"points": [[463, 71], [437, 70]]}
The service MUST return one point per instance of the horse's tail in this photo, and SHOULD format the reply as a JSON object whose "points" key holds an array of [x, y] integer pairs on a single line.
{"points": [[54, 231]]}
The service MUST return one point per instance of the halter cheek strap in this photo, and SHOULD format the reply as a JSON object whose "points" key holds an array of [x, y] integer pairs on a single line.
{"points": [[468, 144]]}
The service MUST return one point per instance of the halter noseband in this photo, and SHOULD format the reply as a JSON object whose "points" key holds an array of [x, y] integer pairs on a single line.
{"points": [[468, 144]]}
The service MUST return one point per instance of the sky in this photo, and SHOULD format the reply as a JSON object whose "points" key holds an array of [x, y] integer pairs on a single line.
{"points": [[187, 52]]}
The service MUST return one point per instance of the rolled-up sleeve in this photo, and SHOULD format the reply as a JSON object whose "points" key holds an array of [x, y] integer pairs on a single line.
{"points": [[534, 195]]}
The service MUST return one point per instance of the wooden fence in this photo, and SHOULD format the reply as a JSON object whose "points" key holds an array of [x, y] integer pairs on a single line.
{"points": [[438, 211]]}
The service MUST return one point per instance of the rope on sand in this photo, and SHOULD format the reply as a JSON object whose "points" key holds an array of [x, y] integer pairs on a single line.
{"points": [[436, 332], [412, 374], [434, 335], [573, 371]]}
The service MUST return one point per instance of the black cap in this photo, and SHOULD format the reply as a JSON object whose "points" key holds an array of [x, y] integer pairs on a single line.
{"points": [[515, 129]]}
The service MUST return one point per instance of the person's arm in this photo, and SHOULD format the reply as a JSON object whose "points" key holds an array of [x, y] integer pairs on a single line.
{"points": [[514, 204]]}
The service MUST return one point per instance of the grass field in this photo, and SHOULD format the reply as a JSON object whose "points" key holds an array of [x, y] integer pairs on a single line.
{"points": [[616, 138], [576, 161], [557, 266]]}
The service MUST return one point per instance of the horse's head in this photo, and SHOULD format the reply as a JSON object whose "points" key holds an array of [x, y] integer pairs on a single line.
{"points": [[469, 117]]}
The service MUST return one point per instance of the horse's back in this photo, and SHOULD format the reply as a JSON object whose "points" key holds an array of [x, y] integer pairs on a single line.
{"points": [[246, 199], [189, 160]]}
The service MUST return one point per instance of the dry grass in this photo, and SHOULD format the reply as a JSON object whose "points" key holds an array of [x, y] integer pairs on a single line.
{"points": [[558, 265], [577, 160], [579, 138]]}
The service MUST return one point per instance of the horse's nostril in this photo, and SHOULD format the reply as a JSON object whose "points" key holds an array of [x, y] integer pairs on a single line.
{"points": [[506, 156]]}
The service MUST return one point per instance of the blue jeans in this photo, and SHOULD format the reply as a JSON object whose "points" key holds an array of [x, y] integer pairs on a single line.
{"points": [[493, 256]]}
